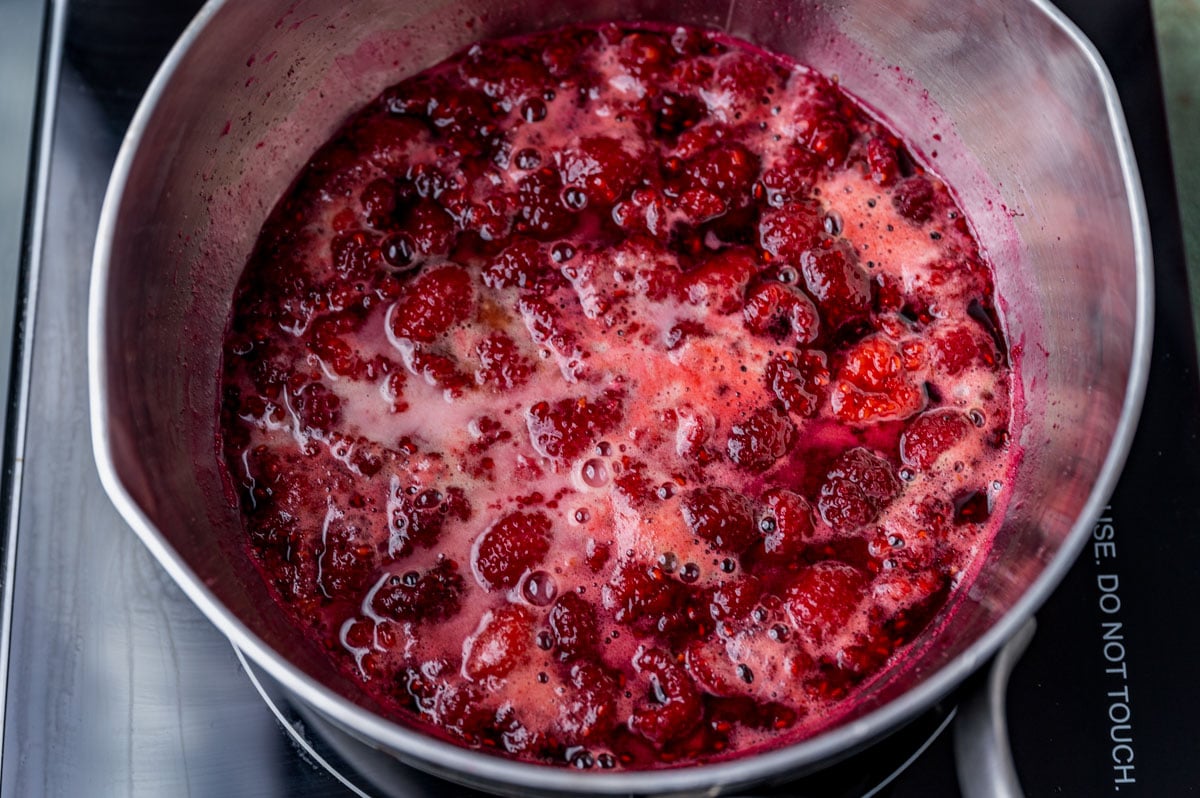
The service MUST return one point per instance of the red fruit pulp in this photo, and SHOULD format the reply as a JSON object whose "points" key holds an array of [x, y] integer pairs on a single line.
{"points": [[616, 397]]}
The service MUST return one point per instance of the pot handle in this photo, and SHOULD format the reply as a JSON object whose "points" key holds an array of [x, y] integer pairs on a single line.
{"points": [[981, 752]]}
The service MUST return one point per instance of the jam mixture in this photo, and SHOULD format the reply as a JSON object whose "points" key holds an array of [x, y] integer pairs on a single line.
{"points": [[617, 396]]}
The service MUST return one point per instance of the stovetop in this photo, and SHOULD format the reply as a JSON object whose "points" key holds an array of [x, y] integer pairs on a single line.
{"points": [[117, 685]]}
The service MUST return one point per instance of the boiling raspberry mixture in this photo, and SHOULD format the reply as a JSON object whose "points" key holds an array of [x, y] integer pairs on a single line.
{"points": [[616, 397]]}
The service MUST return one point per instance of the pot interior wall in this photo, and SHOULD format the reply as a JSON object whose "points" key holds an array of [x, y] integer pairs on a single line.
{"points": [[1021, 131]]}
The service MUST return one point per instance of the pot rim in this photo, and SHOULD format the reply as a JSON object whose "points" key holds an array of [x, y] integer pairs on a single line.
{"points": [[490, 770]]}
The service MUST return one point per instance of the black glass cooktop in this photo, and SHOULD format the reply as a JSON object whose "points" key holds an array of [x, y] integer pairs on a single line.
{"points": [[116, 685]]}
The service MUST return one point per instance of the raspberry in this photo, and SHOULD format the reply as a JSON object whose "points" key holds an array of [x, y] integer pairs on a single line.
{"points": [[540, 207], [430, 228], [327, 339], [780, 311], [761, 438], [600, 167], [588, 711], [719, 282], [822, 597], [873, 384], [786, 523], [521, 264], [573, 624], [501, 365], [735, 600], [882, 161], [930, 434], [828, 138], [958, 348], [355, 255], [913, 199], [857, 487], [508, 548], [499, 644], [786, 233], [432, 304], [791, 178], [317, 407], [346, 560], [798, 380], [569, 427], [418, 597], [677, 708], [842, 290], [721, 516], [638, 591], [546, 328], [439, 371], [726, 169]]}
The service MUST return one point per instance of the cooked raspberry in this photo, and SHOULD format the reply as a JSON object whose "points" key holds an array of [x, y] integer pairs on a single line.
{"points": [[930, 434], [791, 178], [913, 199], [726, 169], [781, 311], [873, 384], [522, 264], [512, 545], [798, 380], [721, 516], [501, 365], [542, 212], [439, 371], [828, 138], [588, 711], [567, 428], [430, 228], [857, 487], [600, 167], [958, 348], [355, 255], [638, 591], [676, 709], [736, 599], [760, 439], [347, 558], [720, 282], [417, 597], [643, 53], [546, 328], [709, 666], [822, 598], [788, 232], [317, 407], [500, 643], [432, 304], [328, 338], [573, 623], [842, 290], [786, 524], [882, 161], [700, 205]]}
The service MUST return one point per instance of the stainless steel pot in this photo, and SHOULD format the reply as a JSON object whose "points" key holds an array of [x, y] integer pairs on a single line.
{"points": [[1009, 101]]}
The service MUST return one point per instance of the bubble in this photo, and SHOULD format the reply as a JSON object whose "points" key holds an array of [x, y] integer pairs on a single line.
{"points": [[668, 561], [539, 588], [977, 418], [833, 223], [604, 448], [544, 640], [595, 473], [533, 110], [582, 515], [690, 572]]}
